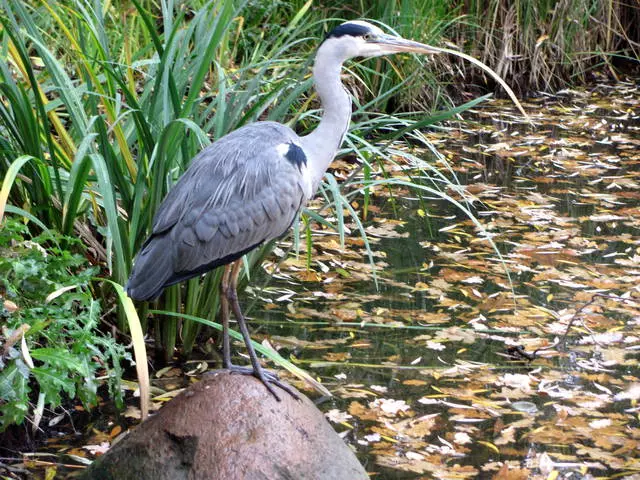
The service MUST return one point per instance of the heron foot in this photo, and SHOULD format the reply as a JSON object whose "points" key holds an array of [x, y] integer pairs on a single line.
{"points": [[266, 377]]}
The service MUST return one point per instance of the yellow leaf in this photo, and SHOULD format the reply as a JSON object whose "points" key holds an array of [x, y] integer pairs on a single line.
{"points": [[389, 439], [541, 39], [413, 382], [490, 446], [50, 473]]}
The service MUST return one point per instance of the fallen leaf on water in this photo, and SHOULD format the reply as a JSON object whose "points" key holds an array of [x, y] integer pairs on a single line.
{"points": [[97, 449], [510, 473], [389, 406], [337, 416], [414, 382], [602, 423]]}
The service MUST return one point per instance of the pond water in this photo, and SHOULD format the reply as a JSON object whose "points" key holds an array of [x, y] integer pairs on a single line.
{"points": [[505, 347], [450, 368]]}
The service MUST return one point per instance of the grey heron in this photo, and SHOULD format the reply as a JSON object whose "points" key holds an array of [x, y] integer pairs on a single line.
{"points": [[248, 187]]}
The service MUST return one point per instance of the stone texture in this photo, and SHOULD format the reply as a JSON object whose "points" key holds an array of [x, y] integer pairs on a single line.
{"points": [[230, 427]]}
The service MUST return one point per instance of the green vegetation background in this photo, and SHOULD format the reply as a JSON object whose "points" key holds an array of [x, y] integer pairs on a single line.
{"points": [[104, 103]]}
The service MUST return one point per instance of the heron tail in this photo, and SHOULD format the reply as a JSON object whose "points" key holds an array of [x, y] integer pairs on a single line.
{"points": [[152, 269]]}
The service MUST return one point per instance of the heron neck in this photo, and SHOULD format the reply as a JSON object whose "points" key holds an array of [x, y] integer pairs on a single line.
{"points": [[322, 144]]}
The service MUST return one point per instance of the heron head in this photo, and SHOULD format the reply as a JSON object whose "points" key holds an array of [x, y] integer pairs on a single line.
{"points": [[357, 38]]}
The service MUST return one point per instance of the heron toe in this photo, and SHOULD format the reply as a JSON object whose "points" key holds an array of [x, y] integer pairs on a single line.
{"points": [[267, 378]]}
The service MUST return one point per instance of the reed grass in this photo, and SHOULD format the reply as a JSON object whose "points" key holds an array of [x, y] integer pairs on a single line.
{"points": [[99, 118], [544, 44], [532, 44]]}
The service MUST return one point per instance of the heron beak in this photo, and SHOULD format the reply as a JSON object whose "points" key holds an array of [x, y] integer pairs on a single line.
{"points": [[391, 44]]}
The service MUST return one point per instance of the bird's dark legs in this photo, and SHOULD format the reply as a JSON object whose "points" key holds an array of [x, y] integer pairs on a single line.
{"points": [[230, 296], [235, 306], [224, 313]]}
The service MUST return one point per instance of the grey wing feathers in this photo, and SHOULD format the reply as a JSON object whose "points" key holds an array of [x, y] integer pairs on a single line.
{"points": [[238, 192]]}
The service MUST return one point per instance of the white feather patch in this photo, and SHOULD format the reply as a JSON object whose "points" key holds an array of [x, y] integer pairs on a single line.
{"points": [[282, 149]]}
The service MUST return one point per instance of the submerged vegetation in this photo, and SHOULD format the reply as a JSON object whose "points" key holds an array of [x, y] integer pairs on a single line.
{"points": [[104, 104]]}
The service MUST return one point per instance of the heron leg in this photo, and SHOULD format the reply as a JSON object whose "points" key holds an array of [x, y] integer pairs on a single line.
{"points": [[224, 313], [267, 378]]}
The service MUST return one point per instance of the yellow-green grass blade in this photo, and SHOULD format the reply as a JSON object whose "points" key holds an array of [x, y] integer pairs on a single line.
{"points": [[493, 75], [139, 350], [9, 179], [29, 216]]}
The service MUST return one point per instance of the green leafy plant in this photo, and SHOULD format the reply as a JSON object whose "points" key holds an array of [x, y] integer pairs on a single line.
{"points": [[51, 348]]}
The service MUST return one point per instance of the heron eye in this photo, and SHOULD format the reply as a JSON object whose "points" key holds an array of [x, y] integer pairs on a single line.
{"points": [[368, 36]]}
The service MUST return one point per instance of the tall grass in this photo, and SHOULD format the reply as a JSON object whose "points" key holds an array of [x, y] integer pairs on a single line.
{"points": [[99, 117], [543, 44], [532, 44], [106, 138]]}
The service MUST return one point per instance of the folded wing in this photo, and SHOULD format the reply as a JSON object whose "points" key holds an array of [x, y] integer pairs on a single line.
{"points": [[240, 191]]}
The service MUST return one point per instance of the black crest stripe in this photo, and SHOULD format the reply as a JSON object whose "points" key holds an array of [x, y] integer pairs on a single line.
{"points": [[352, 29]]}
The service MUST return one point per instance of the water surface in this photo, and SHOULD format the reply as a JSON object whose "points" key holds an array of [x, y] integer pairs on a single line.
{"points": [[423, 367]]}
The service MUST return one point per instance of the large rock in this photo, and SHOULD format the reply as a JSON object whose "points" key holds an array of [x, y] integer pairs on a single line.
{"points": [[230, 427]]}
